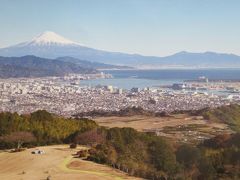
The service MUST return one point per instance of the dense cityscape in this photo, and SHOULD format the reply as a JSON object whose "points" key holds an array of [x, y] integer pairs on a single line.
{"points": [[65, 96]]}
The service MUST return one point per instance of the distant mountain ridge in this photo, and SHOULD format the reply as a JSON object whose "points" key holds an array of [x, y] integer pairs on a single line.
{"points": [[32, 66], [90, 64], [205, 59], [52, 45]]}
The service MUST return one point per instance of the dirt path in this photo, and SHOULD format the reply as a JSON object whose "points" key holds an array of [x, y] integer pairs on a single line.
{"points": [[57, 163]]}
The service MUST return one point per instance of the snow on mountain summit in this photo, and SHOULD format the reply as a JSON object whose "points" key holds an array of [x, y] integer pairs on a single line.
{"points": [[50, 38]]}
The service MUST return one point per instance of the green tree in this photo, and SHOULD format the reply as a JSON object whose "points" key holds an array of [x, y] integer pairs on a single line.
{"points": [[163, 156], [187, 155]]}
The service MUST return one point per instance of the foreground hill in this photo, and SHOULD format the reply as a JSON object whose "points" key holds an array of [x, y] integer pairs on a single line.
{"points": [[52, 45], [32, 66], [136, 153], [56, 163]]}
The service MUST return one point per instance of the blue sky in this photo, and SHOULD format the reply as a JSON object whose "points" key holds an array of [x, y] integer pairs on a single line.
{"points": [[149, 27]]}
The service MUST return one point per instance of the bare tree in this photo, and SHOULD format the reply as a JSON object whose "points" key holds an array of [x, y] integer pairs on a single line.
{"points": [[91, 137], [19, 138]]}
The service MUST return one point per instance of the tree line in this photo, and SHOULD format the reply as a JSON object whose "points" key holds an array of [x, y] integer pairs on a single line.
{"points": [[151, 157], [39, 128]]}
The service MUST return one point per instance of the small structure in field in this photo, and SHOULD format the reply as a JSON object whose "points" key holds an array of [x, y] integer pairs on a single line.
{"points": [[37, 151]]}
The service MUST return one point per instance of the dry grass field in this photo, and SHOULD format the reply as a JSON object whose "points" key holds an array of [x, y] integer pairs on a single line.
{"points": [[143, 123], [57, 163], [182, 127]]}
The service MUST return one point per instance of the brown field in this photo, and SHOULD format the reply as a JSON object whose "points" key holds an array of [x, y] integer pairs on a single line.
{"points": [[181, 127], [57, 163], [142, 123]]}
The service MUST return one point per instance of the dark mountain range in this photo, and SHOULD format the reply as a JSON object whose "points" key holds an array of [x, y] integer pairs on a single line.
{"points": [[32, 66]]}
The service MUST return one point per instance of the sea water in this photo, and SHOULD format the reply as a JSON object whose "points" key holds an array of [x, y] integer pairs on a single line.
{"points": [[150, 78]]}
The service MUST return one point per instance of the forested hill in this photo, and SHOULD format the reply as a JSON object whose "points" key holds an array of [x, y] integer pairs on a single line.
{"points": [[229, 115], [136, 153], [32, 66], [44, 127]]}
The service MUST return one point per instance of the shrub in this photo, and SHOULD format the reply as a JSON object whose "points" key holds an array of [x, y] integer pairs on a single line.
{"points": [[73, 146]]}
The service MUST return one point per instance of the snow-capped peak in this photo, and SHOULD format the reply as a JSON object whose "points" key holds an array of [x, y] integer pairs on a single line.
{"points": [[50, 38]]}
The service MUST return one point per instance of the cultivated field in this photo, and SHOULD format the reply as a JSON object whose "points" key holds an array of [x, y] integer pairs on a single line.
{"points": [[57, 163]]}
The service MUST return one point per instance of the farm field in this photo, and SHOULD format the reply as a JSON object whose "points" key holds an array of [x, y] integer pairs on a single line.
{"points": [[57, 163]]}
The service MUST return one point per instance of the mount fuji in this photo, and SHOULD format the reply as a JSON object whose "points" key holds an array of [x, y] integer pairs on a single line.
{"points": [[49, 38], [52, 45]]}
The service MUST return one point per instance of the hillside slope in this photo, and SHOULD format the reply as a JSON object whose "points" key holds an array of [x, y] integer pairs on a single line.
{"points": [[32, 66]]}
